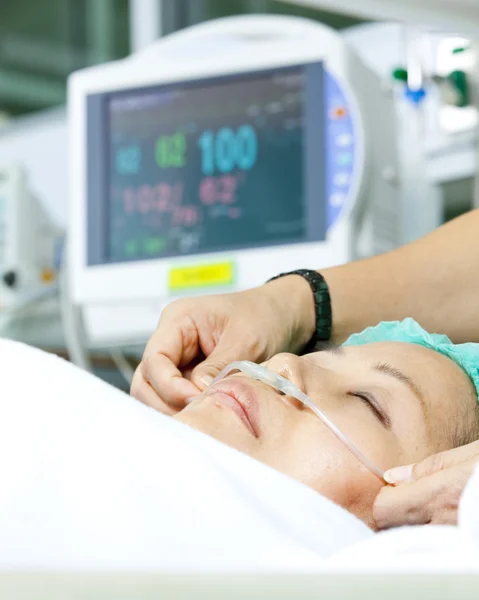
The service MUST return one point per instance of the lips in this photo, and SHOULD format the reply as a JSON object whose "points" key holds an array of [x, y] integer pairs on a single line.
{"points": [[240, 397]]}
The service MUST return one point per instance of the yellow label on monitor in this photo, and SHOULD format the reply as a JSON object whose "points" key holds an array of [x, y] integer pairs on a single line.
{"points": [[182, 278]]}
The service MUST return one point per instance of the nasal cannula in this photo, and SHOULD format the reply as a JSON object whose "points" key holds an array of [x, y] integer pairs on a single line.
{"points": [[290, 389]]}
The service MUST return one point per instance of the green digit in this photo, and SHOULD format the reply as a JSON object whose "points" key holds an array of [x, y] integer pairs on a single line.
{"points": [[170, 150], [161, 151], [154, 245], [178, 150]]}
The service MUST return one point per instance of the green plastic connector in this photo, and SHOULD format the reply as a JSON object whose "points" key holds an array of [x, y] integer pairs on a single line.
{"points": [[400, 74], [458, 79], [460, 49]]}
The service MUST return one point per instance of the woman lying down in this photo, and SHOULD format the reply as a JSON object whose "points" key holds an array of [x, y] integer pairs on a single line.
{"points": [[90, 478]]}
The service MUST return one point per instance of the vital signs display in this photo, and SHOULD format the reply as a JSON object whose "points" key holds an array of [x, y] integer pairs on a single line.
{"points": [[210, 165]]}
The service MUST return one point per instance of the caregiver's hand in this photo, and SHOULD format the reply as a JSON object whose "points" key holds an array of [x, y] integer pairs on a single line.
{"points": [[197, 337], [430, 490]]}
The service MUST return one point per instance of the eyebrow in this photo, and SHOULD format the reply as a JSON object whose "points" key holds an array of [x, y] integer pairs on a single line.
{"points": [[387, 369]]}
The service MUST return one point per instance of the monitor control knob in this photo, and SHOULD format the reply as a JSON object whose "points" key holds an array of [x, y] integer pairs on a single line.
{"points": [[10, 279]]}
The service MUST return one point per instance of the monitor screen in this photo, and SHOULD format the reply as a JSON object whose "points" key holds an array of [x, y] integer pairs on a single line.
{"points": [[206, 166]]}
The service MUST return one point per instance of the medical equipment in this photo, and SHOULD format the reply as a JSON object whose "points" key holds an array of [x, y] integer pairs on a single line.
{"points": [[28, 244], [288, 388], [218, 156], [448, 141]]}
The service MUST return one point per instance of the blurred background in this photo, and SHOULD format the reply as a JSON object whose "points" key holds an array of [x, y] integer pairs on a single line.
{"points": [[402, 96], [42, 42]]}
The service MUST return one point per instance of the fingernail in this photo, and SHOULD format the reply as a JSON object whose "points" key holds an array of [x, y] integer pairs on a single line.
{"points": [[206, 380], [190, 400], [399, 474]]}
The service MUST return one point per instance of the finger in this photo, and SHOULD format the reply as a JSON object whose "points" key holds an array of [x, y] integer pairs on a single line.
{"points": [[143, 392], [166, 381], [431, 499], [231, 347], [433, 464], [177, 339], [175, 343]]}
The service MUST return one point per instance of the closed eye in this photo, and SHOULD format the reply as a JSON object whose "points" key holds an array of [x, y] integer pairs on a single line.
{"points": [[374, 407]]}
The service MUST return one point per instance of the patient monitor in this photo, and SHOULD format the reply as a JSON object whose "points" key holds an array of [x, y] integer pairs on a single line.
{"points": [[218, 157]]}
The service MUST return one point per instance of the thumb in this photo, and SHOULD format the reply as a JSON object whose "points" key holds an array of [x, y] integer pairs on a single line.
{"points": [[431, 464], [408, 473], [223, 354]]}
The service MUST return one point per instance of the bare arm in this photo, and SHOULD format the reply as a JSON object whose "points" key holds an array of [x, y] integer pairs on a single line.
{"points": [[434, 280]]}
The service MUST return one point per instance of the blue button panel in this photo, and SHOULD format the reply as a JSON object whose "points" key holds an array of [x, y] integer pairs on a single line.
{"points": [[340, 148]]}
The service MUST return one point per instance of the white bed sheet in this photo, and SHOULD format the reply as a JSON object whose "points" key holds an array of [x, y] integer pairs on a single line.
{"points": [[428, 548]]}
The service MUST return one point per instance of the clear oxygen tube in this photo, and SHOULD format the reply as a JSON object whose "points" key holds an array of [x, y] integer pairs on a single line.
{"points": [[288, 388]]}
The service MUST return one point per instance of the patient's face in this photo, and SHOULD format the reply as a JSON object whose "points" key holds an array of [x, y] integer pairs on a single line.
{"points": [[398, 402]]}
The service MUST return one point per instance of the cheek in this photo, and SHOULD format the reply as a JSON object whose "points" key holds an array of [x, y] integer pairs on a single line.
{"points": [[377, 443], [312, 454]]}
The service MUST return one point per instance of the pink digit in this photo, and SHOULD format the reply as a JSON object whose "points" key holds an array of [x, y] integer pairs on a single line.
{"points": [[144, 199], [190, 216], [228, 189], [164, 195], [208, 191], [177, 216]]}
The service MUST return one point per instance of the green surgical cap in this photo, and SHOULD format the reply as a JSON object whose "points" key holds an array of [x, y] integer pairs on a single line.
{"points": [[464, 355]]}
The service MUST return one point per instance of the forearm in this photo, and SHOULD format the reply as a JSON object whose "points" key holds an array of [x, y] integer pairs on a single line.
{"points": [[434, 280]]}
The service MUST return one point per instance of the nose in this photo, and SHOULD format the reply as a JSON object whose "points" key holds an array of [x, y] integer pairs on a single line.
{"points": [[288, 366]]}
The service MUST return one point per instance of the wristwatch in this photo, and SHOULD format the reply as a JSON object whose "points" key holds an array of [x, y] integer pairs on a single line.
{"points": [[322, 306]]}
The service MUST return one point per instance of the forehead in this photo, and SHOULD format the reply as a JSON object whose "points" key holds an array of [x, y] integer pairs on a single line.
{"points": [[436, 375], [413, 358]]}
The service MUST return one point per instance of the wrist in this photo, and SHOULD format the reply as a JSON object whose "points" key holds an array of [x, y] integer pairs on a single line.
{"points": [[293, 295]]}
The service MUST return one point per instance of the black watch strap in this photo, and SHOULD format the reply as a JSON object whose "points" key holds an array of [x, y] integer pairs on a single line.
{"points": [[322, 305]]}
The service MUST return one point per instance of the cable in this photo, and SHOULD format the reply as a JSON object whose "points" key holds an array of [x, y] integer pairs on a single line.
{"points": [[75, 334], [123, 366], [72, 322]]}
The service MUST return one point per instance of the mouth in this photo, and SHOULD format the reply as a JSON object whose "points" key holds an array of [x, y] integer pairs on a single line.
{"points": [[241, 398]]}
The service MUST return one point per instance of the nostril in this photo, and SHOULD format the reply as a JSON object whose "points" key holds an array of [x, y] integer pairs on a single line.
{"points": [[280, 375]]}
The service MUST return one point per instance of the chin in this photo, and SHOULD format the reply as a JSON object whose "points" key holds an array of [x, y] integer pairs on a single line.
{"points": [[218, 424]]}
